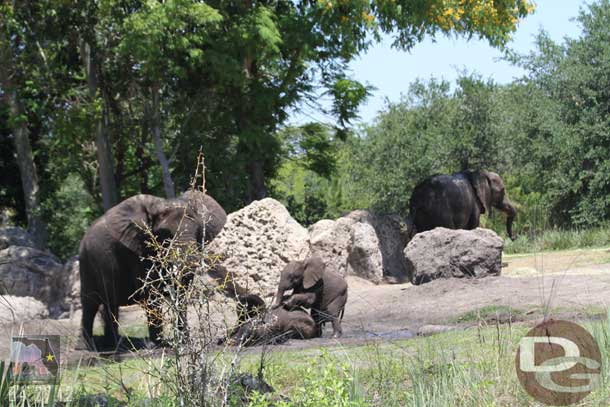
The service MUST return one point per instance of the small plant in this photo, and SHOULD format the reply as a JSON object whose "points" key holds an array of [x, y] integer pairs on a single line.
{"points": [[194, 373], [330, 385]]}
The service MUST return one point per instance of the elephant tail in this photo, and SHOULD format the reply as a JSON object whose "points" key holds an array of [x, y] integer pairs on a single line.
{"points": [[341, 316]]}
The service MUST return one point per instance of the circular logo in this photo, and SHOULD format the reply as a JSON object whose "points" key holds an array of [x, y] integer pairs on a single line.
{"points": [[558, 363]]}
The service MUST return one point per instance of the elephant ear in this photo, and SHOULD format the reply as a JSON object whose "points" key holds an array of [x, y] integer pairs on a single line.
{"points": [[128, 221], [314, 271], [482, 189]]}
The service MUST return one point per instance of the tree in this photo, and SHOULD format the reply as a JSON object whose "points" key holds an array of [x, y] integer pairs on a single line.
{"points": [[122, 93], [431, 130], [573, 78], [256, 60], [91, 61], [22, 53], [472, 138], [409, 141]]}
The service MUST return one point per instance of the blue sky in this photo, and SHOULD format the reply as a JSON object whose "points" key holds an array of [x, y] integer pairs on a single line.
{"points": [[391, 71]]}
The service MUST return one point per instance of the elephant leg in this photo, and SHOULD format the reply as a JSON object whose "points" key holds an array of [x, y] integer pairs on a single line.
{"points": [[334, 313], [337, 330], [474, 221], [89, 309], [111, 324]]}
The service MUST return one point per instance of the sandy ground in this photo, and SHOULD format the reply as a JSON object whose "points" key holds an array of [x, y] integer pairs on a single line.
{"points": [[571, 285]]}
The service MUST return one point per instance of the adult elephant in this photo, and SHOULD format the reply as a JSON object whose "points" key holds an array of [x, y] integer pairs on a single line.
{"points": [[314, 287], [457, 201], [114, 253]]}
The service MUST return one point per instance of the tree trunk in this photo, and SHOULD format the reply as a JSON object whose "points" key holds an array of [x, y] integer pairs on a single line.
{"points": [[25, 159], [254, 166], [256, 188], [140, 155], [27, 169], [168, 183], [110, 196]]}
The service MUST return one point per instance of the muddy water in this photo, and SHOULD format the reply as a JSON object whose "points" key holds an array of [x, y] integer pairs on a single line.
{"points": [[399, 334]]}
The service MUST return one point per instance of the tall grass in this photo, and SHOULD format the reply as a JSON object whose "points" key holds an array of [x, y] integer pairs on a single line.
{"points": [[470, 368], [559, 239], [473, 368]]}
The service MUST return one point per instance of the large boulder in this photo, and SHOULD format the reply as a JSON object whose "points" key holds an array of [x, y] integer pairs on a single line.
{"points": [[257, 242], [331, 241], [72, 285], [447, 253], [29, 272], [362, 244], [15, 236], [18, 309], [365, 259]]}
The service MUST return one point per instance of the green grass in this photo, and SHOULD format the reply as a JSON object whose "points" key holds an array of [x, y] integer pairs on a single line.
{"points": [[559, 239], [138, 330], [472, 367], [488, 313]]}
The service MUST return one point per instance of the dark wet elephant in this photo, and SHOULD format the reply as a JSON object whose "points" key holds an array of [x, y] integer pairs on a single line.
{"points": [[114, 252], [314, 287], [457, 201], [257, 326]]}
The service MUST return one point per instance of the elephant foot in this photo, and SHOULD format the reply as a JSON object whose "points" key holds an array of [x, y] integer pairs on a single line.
{"points": [[159, 344]]}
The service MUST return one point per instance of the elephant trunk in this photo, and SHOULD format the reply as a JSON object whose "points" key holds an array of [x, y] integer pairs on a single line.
{"points": [[279, 296], [511, 212]]}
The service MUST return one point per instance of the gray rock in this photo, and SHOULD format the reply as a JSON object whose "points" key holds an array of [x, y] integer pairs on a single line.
{"points": [[15, 236], [446, 253], [362, 244], [365, 259], [393, 233], [18, 309], [29, 272], [331, 241], [72, 285], [257, 242]]}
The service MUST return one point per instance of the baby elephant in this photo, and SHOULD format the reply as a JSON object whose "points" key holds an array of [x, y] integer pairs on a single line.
{"points": [[316, 288], [258, 326]]}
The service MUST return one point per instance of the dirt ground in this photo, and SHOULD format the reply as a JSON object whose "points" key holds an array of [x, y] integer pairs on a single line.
{"points": [[570, 285]]}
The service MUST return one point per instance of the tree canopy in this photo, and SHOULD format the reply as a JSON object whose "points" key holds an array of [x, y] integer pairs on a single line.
{"points": [[546, 133], [114, 97]]}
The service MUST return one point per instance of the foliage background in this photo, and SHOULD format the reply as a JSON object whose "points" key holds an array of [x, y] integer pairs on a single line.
{"points": [[228, 77]]}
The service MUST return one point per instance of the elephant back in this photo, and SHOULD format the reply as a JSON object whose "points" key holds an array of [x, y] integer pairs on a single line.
{"points": [[334, 286], [208, 210]]}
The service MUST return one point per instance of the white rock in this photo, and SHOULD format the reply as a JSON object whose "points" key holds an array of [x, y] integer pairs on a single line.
{"points": [[331, 241], [257, 242], [365, 259], [72, 285], [362, 244], [18, 309]]}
